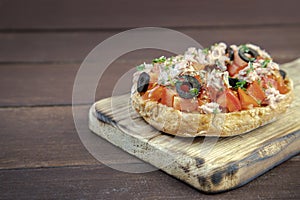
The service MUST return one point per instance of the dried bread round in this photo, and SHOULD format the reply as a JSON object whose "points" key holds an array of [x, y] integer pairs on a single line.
{"points": [[175, 122]]}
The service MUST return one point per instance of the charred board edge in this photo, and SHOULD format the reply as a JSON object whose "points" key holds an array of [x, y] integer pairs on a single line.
{"points": [[253, 160], [207, 183]]}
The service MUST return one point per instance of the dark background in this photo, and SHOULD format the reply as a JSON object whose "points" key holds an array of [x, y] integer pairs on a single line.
{"points": [[42, 44]]}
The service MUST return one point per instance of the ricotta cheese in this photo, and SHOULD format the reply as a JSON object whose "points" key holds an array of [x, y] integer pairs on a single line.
{"points": [[211, 107]]}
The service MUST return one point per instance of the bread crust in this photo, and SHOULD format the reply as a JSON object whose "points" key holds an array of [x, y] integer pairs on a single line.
{"points": [[175, 122]]}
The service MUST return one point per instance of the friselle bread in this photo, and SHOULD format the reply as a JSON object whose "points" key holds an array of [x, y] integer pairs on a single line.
{"points": [[219, 91]]}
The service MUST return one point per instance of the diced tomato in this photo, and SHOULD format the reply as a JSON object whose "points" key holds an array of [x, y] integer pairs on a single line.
{"points": [[198, 78], [237, 65], [256, 91], [154, 94], [269, 82], [203, 97], [234, 69], [185, 104], [229, 100], [275, 82], [167, 97], [282, 87], [247, 102]]}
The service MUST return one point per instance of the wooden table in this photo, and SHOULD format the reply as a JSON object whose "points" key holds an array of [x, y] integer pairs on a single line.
{"points": [[42, 44]]}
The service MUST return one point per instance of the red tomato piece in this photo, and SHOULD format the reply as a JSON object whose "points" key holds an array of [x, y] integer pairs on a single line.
{"points": [[167, 97], [256, 92], [247, 102], [154, 94], [187, 105], [230, 101], [198, 78], [282, 87], [269, 82], [234, 69], [275, 82], [203, 97], [237, 65]]}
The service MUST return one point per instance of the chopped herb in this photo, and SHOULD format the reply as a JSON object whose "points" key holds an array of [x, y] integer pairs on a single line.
{"points": [[172, 82], [270, 84], [259, 81], [245, 48], [240, 84], [259, 102], [205, 51], [251, 68], [251, 59], [194, 91], [169, 61], [140, 67], [215, 111], [159, 60], [265, 63]]}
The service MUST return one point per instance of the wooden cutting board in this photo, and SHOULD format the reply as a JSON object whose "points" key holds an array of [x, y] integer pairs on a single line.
{"points": [[208, 164]]}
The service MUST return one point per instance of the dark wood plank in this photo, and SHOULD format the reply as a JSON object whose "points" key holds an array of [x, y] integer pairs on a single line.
{"points": [[36, 84], [282, 43], [40, 137], [51, 84], [43, 137], [98, 182], [91, 14]]}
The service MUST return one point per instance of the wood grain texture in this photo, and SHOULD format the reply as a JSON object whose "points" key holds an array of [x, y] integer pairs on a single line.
{"points": [[99, 182], [92, 14], [51, 84], [36, 84], [41, 137], [231, 162], [282, 43]]}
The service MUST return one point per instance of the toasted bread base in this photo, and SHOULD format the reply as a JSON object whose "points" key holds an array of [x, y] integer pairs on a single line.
{"points": [[184, 124]]}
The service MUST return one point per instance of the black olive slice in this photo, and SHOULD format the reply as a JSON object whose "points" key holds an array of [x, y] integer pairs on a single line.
{"points": [[187, 87], [230, 53], [282, 73], [233, 81], [236, 83], [246, 50], [143, 82]]}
